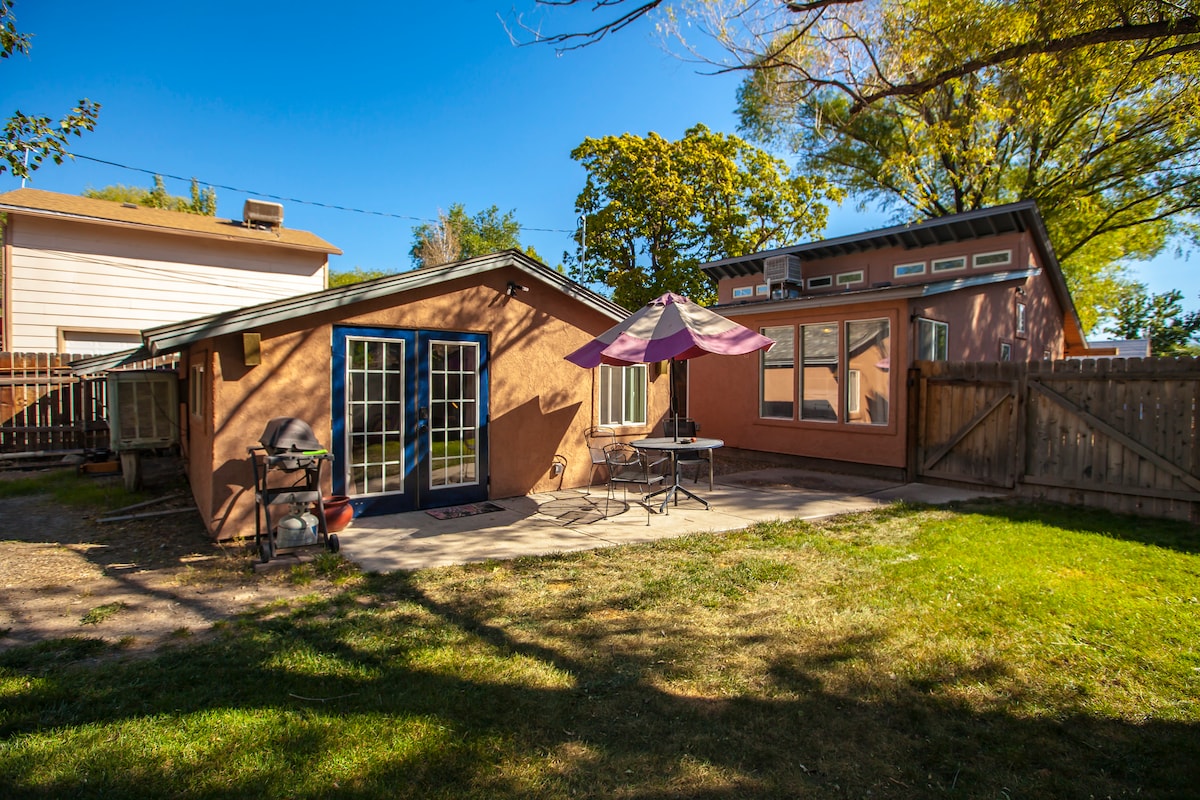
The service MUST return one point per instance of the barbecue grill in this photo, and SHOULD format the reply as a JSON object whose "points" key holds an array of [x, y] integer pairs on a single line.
{"points": [[290, 513]]}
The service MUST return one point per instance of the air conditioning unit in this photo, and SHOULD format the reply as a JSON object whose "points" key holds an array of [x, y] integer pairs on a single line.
{"points": [[260, 213], [143, 409], [782, 269]]}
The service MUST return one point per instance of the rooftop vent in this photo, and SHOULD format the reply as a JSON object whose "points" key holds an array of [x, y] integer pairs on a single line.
{"points": [[263, 215], [782, 269]]}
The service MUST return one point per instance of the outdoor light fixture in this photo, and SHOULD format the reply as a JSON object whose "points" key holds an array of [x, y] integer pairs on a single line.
{"points": [[514, 287]]}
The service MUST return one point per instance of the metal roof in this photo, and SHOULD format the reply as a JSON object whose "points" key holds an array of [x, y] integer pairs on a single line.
{"points": [[970, 225], [1021, 217], [851, 297]]}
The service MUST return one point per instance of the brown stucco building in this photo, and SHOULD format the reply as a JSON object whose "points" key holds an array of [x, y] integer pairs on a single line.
{"points": [[851, 315], [433, 387]]}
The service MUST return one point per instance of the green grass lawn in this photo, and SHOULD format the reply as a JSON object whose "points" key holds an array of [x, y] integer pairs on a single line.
{"points": [[992, 651]]}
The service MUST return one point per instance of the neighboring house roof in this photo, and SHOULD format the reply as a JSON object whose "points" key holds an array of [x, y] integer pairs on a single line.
{"points": [[1022, 217], [52, 205], [1122, 348], [177, 336]]}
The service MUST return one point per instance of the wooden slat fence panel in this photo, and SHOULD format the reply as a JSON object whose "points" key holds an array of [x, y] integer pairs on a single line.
{"points": [[46, 409], [1117, 433], [43, 407]]}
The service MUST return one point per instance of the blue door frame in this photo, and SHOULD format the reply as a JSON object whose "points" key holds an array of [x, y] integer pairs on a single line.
{"points": [[410, 414]]}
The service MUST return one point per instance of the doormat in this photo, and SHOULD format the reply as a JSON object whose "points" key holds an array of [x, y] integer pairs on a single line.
{"points": [[469, 510]]}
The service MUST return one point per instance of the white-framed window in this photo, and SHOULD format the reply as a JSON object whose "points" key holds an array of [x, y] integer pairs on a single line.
{"points": [[622, 395], [933, 340], [997, 258], [1005, 351], [906, 270], [821, 282], [847, 278], [762, 288], [743, 291], [1021, 319], [950, 264], [196, 390]]}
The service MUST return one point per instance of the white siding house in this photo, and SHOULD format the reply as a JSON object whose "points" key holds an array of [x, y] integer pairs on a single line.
{"points": [[86, 276]]}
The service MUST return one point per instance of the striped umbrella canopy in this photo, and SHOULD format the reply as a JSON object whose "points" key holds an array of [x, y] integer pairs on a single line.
{"points": [[668, 327]]}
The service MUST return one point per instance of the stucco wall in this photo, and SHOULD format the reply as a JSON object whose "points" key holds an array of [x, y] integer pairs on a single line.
{"points": [[540, 404], [724, 391]]}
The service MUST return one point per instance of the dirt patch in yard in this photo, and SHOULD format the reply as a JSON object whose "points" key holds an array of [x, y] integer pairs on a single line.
{"points": [[138, 583]]}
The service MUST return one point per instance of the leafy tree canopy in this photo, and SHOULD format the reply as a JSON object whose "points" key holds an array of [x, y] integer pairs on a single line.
{"points": [[203, 201], [1159, 318], [1101, 137], [29, 139], [656, 209], [456, 236], [356, 275]]}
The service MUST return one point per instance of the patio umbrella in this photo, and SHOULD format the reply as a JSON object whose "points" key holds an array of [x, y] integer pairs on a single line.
{"points": [[670, 327]]}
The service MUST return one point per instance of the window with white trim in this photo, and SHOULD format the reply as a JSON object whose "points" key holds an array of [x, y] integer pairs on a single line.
{"points": [[933, 340], [1005, 351], [762, 288], [821, 282], [847, 278], [743, 291], [905, 270], [1021, 319], [949, 264], [622, 395], [998, 258]]}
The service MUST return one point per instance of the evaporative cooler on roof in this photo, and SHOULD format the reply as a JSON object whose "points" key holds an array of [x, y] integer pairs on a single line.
{"points": [[783, 272]]}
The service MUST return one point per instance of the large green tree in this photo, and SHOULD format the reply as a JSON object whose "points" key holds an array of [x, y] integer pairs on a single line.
{"points": [[655, 209], [457, 235], [1159, 318], [1103, 141], [202, 201], [29, 139]]}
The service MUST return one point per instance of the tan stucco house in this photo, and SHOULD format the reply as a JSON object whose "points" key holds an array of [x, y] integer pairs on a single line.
{"points": [[851, 315], [85, 276], [432, 387]]}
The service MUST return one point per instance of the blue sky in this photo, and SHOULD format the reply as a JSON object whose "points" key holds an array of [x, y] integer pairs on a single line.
{"points": [[399, 109]]}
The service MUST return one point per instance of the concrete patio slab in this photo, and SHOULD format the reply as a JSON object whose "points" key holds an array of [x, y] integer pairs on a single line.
{"points": [[572, 520]]}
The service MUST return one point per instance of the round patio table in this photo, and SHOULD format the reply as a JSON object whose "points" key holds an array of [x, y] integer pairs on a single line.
{"points": [[673, 446]]}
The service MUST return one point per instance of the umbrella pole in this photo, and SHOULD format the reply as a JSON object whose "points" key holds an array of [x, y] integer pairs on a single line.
{"points": [[674, 402]]}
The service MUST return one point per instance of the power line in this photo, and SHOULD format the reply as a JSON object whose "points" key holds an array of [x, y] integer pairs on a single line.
{"points": [[287, 199]]}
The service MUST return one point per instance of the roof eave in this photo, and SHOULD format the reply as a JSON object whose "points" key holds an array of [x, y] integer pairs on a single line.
{"points": [[44, 213], [174, 337]]}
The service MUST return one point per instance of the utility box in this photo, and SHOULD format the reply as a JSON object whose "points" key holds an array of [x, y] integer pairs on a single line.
{"points": [[143, 409]]}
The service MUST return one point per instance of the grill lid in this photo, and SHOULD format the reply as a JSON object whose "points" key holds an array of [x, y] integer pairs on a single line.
{"points": [[289, 435]]}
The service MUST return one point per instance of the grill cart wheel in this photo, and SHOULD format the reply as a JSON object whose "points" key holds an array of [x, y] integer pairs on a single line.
{"points": [[264, 549], [333, 543]]}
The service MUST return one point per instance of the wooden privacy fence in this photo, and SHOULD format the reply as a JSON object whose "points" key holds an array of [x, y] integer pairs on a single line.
{"points": [[1115, 433], [46, 409]]}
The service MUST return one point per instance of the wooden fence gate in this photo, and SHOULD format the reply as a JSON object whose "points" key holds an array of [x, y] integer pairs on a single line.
{"points": [[1117, 433]]}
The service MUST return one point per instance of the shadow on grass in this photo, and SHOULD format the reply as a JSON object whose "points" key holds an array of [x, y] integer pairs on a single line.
{"points": [[607, 727]]}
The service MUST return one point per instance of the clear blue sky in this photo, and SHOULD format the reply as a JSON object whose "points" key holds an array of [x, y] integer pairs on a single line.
{"points": [[395, 108]]}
